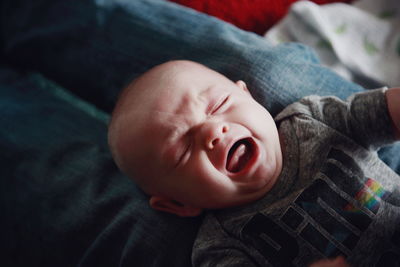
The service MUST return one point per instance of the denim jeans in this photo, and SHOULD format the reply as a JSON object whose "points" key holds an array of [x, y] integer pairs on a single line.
{"points": [[93, 48]]}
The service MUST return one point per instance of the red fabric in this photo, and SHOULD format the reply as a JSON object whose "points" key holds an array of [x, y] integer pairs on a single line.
{"points": [[251, 15]]}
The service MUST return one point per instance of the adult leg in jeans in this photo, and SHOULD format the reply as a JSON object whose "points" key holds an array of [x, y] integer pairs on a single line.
{"points": [[95, 47]]}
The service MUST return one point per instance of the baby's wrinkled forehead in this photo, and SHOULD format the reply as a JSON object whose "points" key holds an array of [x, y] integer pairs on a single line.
{"points": [[167, 94]]}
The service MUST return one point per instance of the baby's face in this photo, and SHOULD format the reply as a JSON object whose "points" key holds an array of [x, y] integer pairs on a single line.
{"points": [[202, 138]]}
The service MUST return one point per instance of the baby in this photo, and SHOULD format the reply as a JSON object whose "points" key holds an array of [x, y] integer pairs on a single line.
{"points": [[194, 140], [306, 186]]}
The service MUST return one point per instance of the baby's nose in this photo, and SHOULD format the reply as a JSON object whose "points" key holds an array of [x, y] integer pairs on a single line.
{"points": [[213, 133]]}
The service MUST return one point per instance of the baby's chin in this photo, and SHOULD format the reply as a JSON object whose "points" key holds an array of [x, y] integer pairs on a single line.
{"points": [[239, 199], [246, 193], [262, 181]]}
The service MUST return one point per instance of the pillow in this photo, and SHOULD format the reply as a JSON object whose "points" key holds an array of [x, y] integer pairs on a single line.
{"points": [[256, 15], [62, 199]]}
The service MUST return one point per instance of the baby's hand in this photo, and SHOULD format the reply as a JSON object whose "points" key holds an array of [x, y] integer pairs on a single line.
{"points": [[336, 262]]}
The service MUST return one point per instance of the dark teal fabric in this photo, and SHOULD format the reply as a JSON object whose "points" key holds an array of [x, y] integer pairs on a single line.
{"points": [[63, 201]]}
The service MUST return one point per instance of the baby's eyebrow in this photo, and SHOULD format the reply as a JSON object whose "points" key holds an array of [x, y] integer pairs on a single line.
{"points": [[204, 99]]}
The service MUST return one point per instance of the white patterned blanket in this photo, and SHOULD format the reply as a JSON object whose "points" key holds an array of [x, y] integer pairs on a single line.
{"points": [[361, 41]]}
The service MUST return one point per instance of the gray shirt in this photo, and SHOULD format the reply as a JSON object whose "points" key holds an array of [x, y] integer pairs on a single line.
{"points": [[334, 195]]}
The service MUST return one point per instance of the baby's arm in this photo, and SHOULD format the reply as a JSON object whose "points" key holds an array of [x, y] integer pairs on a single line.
{"points": [[393, 103]]}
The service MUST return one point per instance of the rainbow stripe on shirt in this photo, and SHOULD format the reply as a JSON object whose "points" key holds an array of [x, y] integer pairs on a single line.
{"points": [[369, 196]]}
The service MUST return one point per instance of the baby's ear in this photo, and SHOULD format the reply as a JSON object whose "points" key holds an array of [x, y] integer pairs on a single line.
{"points": [[242, 85], [171, 206]]}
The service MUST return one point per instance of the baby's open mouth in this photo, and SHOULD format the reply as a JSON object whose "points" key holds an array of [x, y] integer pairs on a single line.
{"points": [[239, 155]]}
